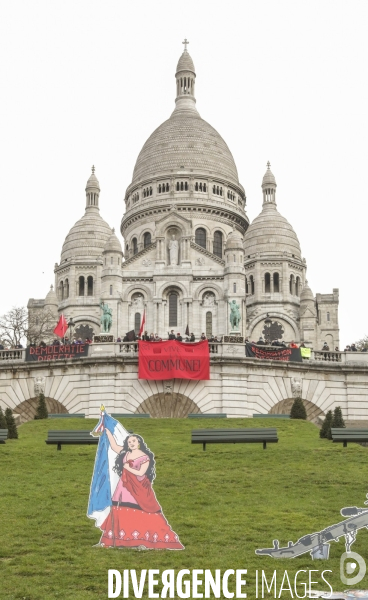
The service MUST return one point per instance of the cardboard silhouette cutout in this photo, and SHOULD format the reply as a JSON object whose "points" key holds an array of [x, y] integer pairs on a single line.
{"points": [[122, 500]]}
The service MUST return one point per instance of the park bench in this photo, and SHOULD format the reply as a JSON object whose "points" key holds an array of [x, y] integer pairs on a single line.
{"points": [[131, 415], [349, 435], [207, 416], [269, 416], [65, 436], [67, 416], [3, 435], [234, 436]]}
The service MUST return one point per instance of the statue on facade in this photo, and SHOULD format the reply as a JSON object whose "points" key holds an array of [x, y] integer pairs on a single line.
{"points": [[234, 314], [174, 251], [209, 300], [138, 302], [106, 317]]}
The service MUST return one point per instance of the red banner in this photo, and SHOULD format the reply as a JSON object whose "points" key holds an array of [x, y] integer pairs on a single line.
{"points": [[174, 360]]}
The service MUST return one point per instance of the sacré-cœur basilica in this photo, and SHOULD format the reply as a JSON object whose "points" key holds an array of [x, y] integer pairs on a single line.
{"points": [[189, 258], [189, 251]]}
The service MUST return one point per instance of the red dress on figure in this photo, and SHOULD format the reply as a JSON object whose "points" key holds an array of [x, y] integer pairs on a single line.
{"points": [[136, 518]]}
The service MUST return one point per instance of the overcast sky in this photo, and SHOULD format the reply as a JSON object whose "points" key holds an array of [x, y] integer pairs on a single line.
{"points": [[86, 82]]}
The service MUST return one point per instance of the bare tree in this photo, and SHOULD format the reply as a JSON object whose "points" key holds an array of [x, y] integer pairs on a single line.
{"points": [[41, 326], [362, 344], [16, 327]]}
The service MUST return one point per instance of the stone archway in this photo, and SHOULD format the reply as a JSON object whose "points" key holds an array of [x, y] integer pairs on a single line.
{"points": [[283, 407], [27, 409], [169, 405]]}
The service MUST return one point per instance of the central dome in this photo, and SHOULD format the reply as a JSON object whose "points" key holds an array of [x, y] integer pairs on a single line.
{"points": [[185, 141]]}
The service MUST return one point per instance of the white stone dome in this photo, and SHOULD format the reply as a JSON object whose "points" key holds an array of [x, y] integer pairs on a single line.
{"points": [[234, 241], [87, 238], [185, 141], [113, 244], [307, 294], [271, 233], [185, 63], [51, 298]]}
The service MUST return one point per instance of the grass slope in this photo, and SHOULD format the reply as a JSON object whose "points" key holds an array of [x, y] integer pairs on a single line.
{"points": [[224, 503]]}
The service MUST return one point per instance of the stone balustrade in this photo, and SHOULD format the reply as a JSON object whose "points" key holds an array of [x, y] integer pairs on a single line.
{"points": [[226, 349]]}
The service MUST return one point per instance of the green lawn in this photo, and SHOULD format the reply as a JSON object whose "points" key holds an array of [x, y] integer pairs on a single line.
{"points": [[223, 503]]}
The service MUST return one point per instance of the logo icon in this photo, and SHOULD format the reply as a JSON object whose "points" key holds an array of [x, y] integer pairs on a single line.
{"points": [[350, 567]]}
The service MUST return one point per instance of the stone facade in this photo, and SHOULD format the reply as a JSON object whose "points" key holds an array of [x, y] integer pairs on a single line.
{"points": [[239, 386], [190, 253]]}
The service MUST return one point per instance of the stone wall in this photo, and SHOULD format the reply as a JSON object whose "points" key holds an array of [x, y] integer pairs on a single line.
{"points": [[239, 386]]}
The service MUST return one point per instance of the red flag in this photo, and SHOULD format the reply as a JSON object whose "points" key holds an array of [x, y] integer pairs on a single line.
{"points": [[61, 327], [174, 360], [143, 323]]}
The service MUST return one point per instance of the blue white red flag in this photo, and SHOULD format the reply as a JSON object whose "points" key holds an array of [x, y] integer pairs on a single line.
{"points": [[104, 479]]}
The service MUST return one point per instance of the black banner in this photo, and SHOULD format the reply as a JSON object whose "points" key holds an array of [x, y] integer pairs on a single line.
{"points": [[273, 353], [56, 352]]}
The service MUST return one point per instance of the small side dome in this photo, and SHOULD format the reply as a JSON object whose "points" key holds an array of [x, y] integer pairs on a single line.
{"points": [[51, 299], [234, 241], [113, 244], [185, 63], [307, 294]]}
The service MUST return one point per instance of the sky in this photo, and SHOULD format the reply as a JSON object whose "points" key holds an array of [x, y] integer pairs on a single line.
{"points": [[86, 82]]}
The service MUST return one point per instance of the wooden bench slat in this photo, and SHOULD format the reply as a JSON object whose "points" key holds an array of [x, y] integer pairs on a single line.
{"points": [[269, 416], [345, 435], [131, 415], [67, 415], [233, 436], [207, 416]]}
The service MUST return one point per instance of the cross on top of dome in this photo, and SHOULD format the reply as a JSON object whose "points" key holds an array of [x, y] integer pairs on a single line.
{"points": [[185, 44], [268, 164], [93, 169]]}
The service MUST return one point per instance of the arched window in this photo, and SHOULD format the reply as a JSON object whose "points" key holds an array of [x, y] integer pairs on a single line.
{"points": [[214, 189], [61, 290], [217, 244], [173, 309], [111, 260], [328, 316], [81, 286], [177, 186], [267, 283], [220, 191], [66, 288], [135, 246], [291, 284], [110, 290], [200, 237], [90, 285], [234, 288], [167, 187], [196, 186], [146, 239], [159, 188], [204, 187], [150, 192], [297, 286], [137, 322], [208, 324], [186, 186], [252, 285], [276, 282]]}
